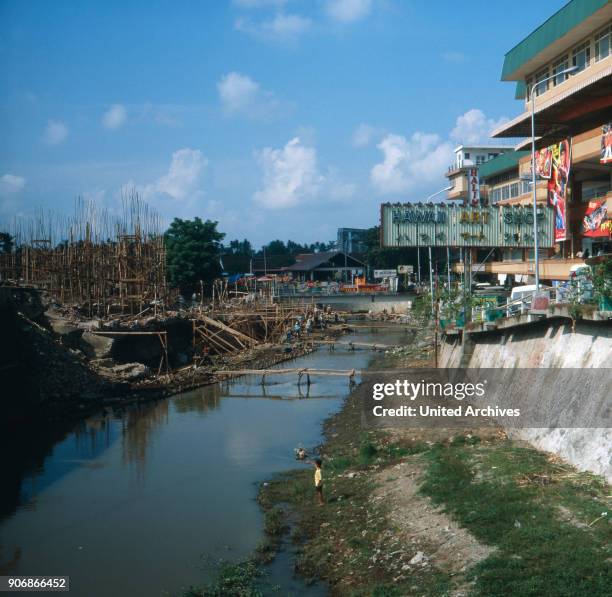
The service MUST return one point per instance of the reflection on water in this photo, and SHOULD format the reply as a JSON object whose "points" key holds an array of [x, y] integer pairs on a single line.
{"points": [[128, 502]]}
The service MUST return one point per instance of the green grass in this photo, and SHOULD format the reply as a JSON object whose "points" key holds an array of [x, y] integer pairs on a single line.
{"points": [[233, 580], [496, 492]]}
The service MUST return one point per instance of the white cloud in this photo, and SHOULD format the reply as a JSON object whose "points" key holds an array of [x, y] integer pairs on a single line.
{"points": [[183, 177], [474, 127], [239, 94], [410, 164], [114, 117], [414, 164], [364, 134], [348, 11], [290, 175], [55, 132], [11, 184], [281, 27]]}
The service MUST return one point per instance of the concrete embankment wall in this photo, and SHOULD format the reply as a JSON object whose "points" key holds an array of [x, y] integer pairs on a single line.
{"points": [[551, 344], [398, 303]]}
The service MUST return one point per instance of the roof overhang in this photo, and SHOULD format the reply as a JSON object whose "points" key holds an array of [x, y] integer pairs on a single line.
{"points": [[567, 27], [591, 96]]}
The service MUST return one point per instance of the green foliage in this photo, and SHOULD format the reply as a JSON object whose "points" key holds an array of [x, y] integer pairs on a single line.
{"points": [[239, 247], [488, 489], [192, 253], [381, 258], [233, 580], [291, 248], [367, 452], [602, 279]]}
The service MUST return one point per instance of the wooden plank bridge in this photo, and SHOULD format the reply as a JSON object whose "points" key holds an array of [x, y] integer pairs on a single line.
{"points": [[301, 373]]}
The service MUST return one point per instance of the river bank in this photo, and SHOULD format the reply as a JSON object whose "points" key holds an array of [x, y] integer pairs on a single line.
{"points": [[435, 512]]}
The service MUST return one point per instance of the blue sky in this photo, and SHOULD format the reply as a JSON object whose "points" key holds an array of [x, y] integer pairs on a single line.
{"points": [[278, 118]]}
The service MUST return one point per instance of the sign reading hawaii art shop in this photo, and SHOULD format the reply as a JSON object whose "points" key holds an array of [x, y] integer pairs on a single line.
{"points": [[553, 163], [449, 225]]}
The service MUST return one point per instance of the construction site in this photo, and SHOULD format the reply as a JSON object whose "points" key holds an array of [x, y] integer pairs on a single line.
{"points": [[90, 292]]}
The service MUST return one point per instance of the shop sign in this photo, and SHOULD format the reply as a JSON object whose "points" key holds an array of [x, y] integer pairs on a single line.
{"points": [[405, 269], [474, 187], [379, 274], [449, 225]]}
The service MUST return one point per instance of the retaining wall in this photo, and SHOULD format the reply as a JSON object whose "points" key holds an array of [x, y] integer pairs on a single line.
{"points": [[548, 344]]}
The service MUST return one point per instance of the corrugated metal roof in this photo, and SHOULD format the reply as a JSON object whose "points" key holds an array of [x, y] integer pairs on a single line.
{"points": [[503, 162], [558, 25], [308, 261]]}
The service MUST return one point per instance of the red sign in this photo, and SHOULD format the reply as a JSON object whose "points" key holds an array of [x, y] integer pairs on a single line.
{"points": [[596, 222], [560, 162], [474, 186]]}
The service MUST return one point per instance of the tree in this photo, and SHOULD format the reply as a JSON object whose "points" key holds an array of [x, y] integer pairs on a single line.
{"points": [[276, 247], [237, 247], [193, 249]]}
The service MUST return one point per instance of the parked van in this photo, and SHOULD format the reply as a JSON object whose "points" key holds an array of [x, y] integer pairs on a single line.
{"points": [[520, 298]]}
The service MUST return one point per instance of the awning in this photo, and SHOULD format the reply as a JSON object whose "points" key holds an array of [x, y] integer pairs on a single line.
{"points": [[552, 113]]}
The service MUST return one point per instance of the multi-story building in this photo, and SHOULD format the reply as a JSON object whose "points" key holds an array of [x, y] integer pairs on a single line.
{"points": [[573, 128], [463, 174], [352, 240]]}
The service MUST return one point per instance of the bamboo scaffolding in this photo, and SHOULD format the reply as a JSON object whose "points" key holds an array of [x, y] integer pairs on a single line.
{"points": [[99, 262]]}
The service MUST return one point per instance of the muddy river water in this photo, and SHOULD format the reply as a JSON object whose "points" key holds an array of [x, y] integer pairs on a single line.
{"points": [[134, 503]]}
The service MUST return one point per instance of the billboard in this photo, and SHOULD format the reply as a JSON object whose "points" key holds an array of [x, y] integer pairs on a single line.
{"points": [[379, 274], [553, 163], [596, 222], [449, 225]]}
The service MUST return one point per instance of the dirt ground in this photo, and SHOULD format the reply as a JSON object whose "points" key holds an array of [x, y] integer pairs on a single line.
{"points": [[434, 537]]}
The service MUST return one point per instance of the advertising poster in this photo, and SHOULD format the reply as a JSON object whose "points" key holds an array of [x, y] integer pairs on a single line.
{"points": [[560, 157], [596, 222], [606, 144], [543, 161]]}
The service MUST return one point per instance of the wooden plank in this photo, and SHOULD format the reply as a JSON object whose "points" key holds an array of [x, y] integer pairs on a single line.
{"points": [[228, 329]]}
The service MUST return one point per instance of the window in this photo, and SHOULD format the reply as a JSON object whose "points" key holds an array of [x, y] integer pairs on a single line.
{"points": [[495, 195], [493, 155], [558, 67], [505, 192], [467, 155], [514, 189], [541, 87], [581, 56], [602, 43], [480, 159], [526, 187]]}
